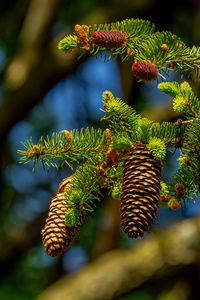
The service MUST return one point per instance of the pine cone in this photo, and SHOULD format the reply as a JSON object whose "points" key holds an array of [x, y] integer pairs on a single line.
{"points": [[56, 236], [140, 190], [110, 39], [64, 184], [145, 71]]}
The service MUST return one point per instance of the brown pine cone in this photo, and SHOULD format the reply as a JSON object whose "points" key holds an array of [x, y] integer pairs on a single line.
{"points": [[56, 236], [140, 190], [64, 184]]}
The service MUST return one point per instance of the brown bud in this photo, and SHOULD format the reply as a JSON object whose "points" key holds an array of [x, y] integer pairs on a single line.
{"points": [[164, 198], [130, 52], [180, 189], [171, 65], [174, 203], [112, 154], [35, 150], [82, 32], [108, 134], [67, 134], [186, 161], [179, 122], [164, 48]]}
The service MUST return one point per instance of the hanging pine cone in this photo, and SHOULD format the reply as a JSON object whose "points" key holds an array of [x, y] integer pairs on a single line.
{"points": [[64, 184], [109, 39], [56, 236], [140, 190]]}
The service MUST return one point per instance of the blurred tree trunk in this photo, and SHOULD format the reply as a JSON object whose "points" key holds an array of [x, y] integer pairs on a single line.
{"points": [[109, 226], [120, 271]]}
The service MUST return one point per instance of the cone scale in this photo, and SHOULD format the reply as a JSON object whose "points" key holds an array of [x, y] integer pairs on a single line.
{"points": [[56, 236], [140, 190]]}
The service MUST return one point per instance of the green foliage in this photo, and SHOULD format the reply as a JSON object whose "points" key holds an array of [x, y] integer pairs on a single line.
{"points": [[184, 99], [100, 154], [164, 188], [71, 217], [120, 116], [56, 150], [151, 49], [84, 188], [121, 141], [194, 57], [157, 148], [116, 192], [87, 139], [185, 102], [192, 136], [188, 174], [99, 167], [136, 29], [168, 132], [68, 42], [188, 171], [170, 88]]}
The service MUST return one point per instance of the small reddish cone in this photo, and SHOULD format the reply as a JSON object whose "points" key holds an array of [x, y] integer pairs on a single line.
{"points": [[145, 71], [140, 190], [110, 39], [56, 236]]}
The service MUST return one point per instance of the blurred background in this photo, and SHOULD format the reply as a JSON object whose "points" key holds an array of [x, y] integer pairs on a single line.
{"points": [[42, 91]]}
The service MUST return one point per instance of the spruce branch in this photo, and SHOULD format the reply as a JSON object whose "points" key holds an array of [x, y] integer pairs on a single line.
{"points": [[184, 99], [191, 137], [188, 172], [85, 188], [104, 157], [135, 30], [128, 156], [57, 149], [193, 59], [136, 40], [68, 43], [157, 148], [166, 131], [162, 48], [120, 116]]}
